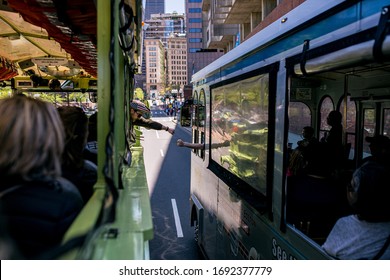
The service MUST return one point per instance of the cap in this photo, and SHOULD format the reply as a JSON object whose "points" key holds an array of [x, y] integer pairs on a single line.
{"points": [[139, 106], [379, 140]]}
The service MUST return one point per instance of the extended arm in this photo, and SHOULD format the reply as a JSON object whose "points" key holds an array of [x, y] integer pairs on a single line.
{"points": [[181, 143], [148, 123]]}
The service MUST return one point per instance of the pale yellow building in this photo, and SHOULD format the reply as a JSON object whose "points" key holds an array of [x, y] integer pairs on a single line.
{"points": [[176, 63], [155, 67]]}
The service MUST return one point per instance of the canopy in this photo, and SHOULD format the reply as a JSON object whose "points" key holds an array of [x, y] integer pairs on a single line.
{"points": [[64, 31]]}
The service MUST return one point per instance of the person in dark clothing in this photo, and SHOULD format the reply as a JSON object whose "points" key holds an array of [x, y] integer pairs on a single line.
{"points": [[331, 148], [305, 154], [37, 204], [82, 173], [90, 151], [138, 110], [380, 149], [334, 137]]}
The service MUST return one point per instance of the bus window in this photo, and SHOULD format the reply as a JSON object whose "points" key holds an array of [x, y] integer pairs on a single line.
{"points": [[201, 108], [185, 113], [201, 121], [240, 117], [299, 116], [386, 122], [368, 129], [194, 111], [325, 108], [350, 127], [194, 118]]}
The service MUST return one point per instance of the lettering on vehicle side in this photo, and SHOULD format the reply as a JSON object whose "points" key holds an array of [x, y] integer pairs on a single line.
{"points": [[279, 253]]}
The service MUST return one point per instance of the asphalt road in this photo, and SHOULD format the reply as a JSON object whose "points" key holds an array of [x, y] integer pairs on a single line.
{"points": [[168, 174]]}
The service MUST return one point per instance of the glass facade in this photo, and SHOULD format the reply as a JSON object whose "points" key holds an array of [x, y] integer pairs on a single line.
{"points": [[154, 7]]}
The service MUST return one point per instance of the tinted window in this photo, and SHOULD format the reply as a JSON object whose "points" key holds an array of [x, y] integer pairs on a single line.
{"points": [[240, 118]]}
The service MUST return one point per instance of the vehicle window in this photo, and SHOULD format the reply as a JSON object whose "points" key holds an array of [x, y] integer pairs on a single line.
{"points": [[325, 108], [194, 117], [201, 108], [239, 114], [299, 116], [350, 125], [202, 120], [368, 129], [386, 122]]}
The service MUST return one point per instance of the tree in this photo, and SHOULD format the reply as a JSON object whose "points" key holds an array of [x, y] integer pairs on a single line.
{"points": [[139, 94]]}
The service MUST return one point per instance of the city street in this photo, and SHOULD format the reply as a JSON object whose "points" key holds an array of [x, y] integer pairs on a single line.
{"points": [[168, 175]]}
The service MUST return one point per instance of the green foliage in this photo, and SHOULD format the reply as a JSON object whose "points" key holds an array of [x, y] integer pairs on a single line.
{"points": [[139, 94], [78, 97], [4, 92], [49, 97]]}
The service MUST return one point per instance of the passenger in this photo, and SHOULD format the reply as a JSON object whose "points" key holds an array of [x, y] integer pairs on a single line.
{"points": [[90, 151], [334, 137], [38, 205], [332, 154], [305, 154], [366, 233], [82, 173], [137, 110], [380, 149], [313, 197]]}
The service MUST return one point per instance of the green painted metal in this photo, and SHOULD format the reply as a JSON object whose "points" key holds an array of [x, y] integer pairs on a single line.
{"points": [[128, 236]]}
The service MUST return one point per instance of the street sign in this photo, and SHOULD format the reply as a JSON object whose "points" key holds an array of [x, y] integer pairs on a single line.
{"points": [[50, 61]]}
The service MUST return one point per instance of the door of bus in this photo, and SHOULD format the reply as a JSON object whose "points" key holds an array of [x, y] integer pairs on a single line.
{"points": [[375, 116]]}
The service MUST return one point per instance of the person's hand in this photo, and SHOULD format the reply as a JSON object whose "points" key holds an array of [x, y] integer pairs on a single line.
{"points": [[180, 143], [171, 130]]}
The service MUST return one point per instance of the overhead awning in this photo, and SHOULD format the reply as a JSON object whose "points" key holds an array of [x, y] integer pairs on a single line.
{"points": [[58, 29]]}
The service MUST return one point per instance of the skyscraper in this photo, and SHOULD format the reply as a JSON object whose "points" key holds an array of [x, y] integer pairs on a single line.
{"points": [[151, 7], [154, 7], [198, 55], [165, 53]]}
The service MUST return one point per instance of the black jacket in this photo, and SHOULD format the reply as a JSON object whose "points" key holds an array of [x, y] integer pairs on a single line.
{"points": [[37, 214]]}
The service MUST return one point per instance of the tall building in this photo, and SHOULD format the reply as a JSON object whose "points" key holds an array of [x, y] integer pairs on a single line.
{"points": [[176, 64], [169, 31], [154, 7], [155, 67], [164, 26], [197, 54], [151, 7]]}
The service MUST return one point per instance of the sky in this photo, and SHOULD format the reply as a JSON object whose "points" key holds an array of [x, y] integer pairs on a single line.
{"points": [[174, 5]]}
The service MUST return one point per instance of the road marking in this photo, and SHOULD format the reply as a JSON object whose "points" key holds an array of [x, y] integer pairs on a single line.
{"points": [[162, 153], [157, 135], [177, 218]]}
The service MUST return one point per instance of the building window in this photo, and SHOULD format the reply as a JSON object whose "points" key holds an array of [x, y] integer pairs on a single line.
{"points": [[195, 30], [195, 40], [195, 20], [194, 10], [194, 50]]}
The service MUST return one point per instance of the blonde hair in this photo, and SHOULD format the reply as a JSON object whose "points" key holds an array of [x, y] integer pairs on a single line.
{"points": [[31, 139]]}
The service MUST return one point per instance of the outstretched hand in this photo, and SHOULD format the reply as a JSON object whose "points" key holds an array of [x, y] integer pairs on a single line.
{"points": [[180, 143]]}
